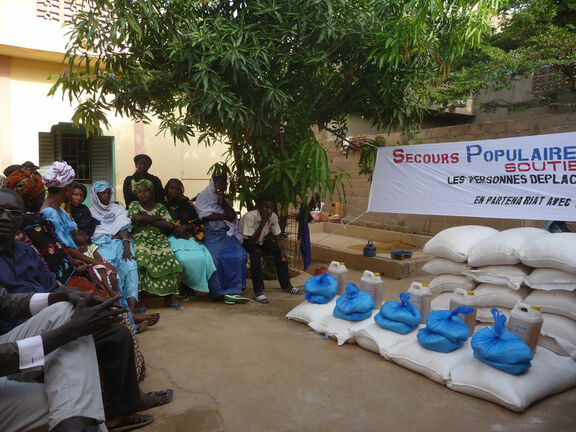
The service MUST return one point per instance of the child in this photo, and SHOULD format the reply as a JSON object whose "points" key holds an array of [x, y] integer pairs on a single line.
{"points": [[99, 274]]}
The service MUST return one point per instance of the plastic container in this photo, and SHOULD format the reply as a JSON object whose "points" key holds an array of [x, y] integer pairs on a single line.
{"points": [[526, 323], [400, 255], [372, 284], [461, 297], [339, 271], [421, 298], [369, 249]]}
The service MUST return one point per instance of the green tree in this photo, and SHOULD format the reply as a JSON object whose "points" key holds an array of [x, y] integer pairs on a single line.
{"points": [[532, 35], [260, 74]]}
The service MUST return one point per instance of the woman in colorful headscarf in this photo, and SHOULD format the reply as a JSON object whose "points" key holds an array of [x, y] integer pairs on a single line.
{"points": [[36, 231], [157, 264], [113, 238], [223, 241], [196, 261]]}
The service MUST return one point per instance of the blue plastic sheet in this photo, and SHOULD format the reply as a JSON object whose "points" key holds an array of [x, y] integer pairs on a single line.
{"points": [[321, 289], [501, 348], [395, 326], [448, 324], [354, 305], [436, 342], [445, 331], [400, 317]]}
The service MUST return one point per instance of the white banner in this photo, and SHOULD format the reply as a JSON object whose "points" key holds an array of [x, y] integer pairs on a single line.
{"points": [[532, 177]]}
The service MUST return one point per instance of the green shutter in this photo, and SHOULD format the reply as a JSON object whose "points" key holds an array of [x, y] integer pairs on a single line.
{"points": [[101, 158], [45, 150]]}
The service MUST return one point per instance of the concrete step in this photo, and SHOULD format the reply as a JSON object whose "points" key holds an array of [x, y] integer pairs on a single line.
{"points": [[337, 242]]}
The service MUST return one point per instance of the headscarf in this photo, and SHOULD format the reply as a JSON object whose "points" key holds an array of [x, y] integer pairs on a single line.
{"points": [[207, 204], [113, 217], [142, 182], [25, 182], [59, 175]]}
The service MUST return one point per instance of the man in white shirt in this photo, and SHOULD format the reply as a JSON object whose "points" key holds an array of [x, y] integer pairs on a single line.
{"points": [[254, 227]]}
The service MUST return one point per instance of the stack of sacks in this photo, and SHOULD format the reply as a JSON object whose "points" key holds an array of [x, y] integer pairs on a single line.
{"points": [[445, 331], [554, 289], [501, 348], [451, 248], [498, 270], [400, 317], [320, 299], [353, 311]]}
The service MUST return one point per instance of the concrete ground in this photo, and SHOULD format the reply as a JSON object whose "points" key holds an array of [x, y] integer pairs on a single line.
{"points": [[245, 368]]}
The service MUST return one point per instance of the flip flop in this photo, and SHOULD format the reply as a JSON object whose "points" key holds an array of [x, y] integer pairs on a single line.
{"points": [[261, 299], [176, 307], [293, 290], [239, 299], [133, 421]]}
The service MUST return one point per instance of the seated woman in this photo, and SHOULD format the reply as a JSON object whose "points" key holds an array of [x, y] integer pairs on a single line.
{"points": [[113, 238], [81, 213], [223, 241], [157, 264], [196, 261]]}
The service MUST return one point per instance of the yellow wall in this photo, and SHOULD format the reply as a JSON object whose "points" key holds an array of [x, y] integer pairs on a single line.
{"points": [[32, 111]]}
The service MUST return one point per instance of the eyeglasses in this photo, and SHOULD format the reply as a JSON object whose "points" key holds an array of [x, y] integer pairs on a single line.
{"points": [[12, 214]]}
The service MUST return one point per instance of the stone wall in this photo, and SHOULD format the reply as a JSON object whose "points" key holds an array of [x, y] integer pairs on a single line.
{"points": [[358, 188]]}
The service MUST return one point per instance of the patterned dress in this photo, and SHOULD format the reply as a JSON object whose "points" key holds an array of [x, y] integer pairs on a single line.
{"points": [[158, 267]]}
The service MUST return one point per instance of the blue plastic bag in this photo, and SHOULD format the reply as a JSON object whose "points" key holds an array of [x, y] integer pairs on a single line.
{"points": [[400, 317], [395, 326], [354, 305], [436, 342], [402, 311], [501, 348], [448, 324], [321, 289]]}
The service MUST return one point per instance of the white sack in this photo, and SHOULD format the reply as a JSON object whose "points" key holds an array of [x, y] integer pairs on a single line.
{"points": [[339, 329], [511, 276], [438, 266], [503, 248], [484, 314], [448, 282], [549, 374], [551, 279], [556, 302], [556, 251], [431, 364], [558, 334], [306, 312], [381, 341], [488, 295], [455, 243]]}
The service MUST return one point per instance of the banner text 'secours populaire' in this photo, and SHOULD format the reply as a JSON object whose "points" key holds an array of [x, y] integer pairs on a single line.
{"points": [[532, 177]]}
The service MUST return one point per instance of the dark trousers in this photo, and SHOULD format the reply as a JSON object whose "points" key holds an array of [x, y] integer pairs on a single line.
{"points": [[116, 359], [255, 251]]}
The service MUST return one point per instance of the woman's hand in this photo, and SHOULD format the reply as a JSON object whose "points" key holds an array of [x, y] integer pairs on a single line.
{"points": [[127, 253]]}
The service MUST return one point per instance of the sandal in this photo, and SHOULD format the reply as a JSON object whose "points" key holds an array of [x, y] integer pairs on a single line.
{"points": [[261, 299], [142, 326], [293, 290], [235, 298], [176, 307], [133, 421]]}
